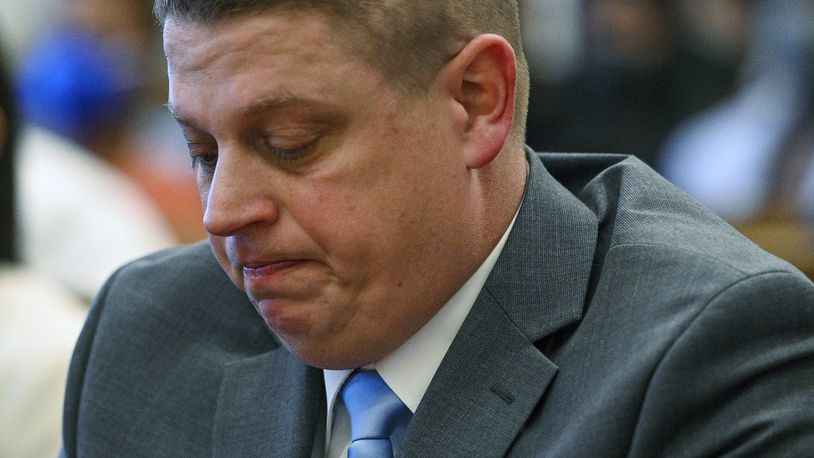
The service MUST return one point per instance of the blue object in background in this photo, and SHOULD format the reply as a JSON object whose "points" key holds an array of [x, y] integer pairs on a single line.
{"points": [[72, 84]]}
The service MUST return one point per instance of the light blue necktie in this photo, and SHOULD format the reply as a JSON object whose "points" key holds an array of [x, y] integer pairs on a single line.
{"points": [[375, 413]]}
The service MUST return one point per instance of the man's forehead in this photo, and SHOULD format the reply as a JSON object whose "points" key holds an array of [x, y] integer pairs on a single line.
{"points": [[190, 44], [265, 63]]}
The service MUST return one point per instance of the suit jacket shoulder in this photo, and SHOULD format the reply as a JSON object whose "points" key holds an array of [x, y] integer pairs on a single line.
{"points": [[147, 370], [624, 319], [692, 340], [636, 206]]}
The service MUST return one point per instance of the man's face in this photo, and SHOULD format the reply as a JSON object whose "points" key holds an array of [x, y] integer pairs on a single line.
{"points": [[338, 203]]}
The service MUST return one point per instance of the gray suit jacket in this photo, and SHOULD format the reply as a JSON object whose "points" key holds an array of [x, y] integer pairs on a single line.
{"points": [[621, 319]]}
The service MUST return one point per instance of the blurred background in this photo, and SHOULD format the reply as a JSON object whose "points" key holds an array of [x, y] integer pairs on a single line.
{"points": [[714, 94]]}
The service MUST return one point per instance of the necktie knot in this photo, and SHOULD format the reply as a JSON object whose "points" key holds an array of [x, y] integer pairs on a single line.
{"points": [[375, 413]]}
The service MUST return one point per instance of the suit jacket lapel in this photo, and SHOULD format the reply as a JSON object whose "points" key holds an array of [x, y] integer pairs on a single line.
{"points": [[493, 374], [269, 405], [541, 278], [481, 396]]}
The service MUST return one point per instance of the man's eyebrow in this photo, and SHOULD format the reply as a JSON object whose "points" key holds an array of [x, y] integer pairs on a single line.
{"points": [[268, 104], [185, 124], [262, 106], [281, 101]]}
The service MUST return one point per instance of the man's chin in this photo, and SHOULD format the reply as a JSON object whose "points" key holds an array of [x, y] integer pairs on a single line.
{"points": [[333, 351], [323, 356], [286, 317]]}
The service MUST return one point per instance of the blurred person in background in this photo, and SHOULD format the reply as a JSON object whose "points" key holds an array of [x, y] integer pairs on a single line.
{"points": [[39, 322], [84, 78], [79, 216], [95, 79], [635, 69], [751, 157]]}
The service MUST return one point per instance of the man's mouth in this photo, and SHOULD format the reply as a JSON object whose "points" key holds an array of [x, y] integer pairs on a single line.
{"points": [[261, 271]]}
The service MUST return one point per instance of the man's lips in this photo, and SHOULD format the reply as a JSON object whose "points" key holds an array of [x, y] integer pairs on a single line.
{"points": [[259, 271]]}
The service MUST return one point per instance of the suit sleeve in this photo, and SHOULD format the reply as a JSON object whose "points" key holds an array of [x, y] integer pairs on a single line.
{"points": [[76, 372], [739, 381]]}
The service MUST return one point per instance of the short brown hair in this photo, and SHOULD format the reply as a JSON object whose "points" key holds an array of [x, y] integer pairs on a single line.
{"points": [[409, 40]]}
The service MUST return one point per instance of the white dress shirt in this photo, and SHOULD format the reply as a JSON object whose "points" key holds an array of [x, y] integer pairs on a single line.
{"points": [[410, 368]]}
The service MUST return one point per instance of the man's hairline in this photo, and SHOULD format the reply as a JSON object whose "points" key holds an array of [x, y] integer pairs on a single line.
{"points": [[415, 89], [343, 26]]}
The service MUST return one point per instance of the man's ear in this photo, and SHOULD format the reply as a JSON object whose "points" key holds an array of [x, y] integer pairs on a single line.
{"points": [[482, 78]]}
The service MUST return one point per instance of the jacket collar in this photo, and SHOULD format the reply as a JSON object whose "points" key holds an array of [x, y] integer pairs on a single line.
{"points": [[541, 277]]}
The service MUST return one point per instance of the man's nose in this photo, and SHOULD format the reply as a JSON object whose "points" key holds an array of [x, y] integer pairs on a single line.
{"points": [[236, 197]]}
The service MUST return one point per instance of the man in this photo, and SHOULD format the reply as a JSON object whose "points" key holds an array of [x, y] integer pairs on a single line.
{"points": [[362, 170]]}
